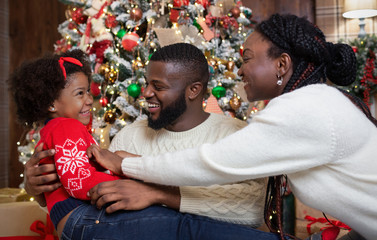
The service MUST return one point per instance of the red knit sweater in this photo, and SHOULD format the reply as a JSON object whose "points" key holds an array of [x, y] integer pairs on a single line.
{"points": [[78, 175]]}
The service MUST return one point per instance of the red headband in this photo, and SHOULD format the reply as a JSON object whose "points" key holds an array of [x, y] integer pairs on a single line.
{"points": [[68, 59]]}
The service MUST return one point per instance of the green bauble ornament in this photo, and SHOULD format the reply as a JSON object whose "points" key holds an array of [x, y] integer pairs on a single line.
{"points": [[149, 56], [247, 14], [121, 33], [218, 92], [196, 24], [134, 90]]}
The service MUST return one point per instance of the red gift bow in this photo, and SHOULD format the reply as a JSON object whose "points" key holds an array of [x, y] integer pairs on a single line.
{"points": [[46, 231], [330, 223]]}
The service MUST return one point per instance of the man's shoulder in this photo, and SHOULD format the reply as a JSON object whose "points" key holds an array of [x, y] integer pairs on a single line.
{"points": [[227, 121], [134, 126]]}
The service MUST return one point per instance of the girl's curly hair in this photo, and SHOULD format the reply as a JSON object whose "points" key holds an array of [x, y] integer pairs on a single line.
{"points": [[37, 83]]}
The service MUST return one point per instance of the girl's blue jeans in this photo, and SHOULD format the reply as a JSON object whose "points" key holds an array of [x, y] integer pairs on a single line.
{"points": [[155, 222]]}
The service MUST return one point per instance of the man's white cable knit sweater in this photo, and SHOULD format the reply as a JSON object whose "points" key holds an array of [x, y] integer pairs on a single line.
{"points": [[241, 202], [314, 134]]}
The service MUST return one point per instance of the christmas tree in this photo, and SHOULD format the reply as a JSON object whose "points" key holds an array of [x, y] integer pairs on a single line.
{"points": [[121, 35], [365, 84]]}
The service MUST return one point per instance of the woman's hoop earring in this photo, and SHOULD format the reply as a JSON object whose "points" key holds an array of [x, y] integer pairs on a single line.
{"points": [[280, 80]]}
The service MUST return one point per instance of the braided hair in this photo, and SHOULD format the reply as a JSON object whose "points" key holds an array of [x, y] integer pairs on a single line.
{"points": [[37, 83], [314, 61], [193, 62]]}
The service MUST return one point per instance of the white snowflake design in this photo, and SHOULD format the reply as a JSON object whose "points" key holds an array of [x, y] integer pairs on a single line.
{"points": [[72, 158], [75, 184]]}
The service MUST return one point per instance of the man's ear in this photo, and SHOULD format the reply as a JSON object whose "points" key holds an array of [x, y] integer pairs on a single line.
{"points": [[194, 90]]}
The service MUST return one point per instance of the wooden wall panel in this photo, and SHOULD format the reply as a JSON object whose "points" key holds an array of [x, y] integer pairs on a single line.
{"points": [[32, 32], [262, 9], [4, 103]]}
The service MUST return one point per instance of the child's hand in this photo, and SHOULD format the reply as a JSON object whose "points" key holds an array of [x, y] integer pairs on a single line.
{"points": [[106, 159]]}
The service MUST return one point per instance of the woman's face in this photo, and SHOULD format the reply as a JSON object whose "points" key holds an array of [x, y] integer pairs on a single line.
{"points": [[259, 71]]}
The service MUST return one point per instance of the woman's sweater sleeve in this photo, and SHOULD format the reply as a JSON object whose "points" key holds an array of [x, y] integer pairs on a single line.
{"points": [[77, 174], [290, 135]]}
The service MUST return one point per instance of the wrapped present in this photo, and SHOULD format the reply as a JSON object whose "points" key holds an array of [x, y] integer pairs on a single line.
{"points": [[310, 221], [8, 195], [24, 220]]}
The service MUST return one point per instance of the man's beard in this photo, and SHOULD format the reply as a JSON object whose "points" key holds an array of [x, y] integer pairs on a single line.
{"points": [[169, 114]]}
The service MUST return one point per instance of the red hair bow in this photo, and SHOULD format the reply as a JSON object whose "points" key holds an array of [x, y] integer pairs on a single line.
{"points": [[68, 59]]}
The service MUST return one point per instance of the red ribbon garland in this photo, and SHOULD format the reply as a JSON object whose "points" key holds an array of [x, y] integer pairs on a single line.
{"points": [[329, 223], [368, 78], [96, 16]]}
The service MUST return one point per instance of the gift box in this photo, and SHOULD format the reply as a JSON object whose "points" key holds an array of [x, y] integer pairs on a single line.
{"points": [[310, 221], [25, 220], [8, 195]]}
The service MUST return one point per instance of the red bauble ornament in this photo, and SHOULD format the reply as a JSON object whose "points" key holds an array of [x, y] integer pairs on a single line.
{"points": [[136, 14], [111, 21], [330, 233], [235, 11], [104, 101], [94, 89], [90, 124], [179, 3], [130, 41], [204, 3], [77, 15], [71, 25], [174, 14]]}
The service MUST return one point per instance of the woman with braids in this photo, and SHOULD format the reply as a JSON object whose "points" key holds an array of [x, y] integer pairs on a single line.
{"points": [[323, 139]]}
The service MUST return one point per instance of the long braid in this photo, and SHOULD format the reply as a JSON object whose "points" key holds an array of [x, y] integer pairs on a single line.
{"points": [[279, 205], [314, 61], [270, 214]]}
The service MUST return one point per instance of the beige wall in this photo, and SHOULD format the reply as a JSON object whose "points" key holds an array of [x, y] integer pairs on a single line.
{"points": [[330, 20]]}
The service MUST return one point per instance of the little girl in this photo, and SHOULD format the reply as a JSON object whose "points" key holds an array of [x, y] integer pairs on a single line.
{"points": [[54, 91]]}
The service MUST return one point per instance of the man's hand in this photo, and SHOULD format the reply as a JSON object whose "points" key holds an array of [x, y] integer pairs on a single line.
{"points": [[133, 195], [109, 160], [40, 178]]}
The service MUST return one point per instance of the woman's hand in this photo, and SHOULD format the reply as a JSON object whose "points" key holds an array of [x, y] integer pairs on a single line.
{"points": [[124, 154], [40, 178], [105, 158], [109, 160]]}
